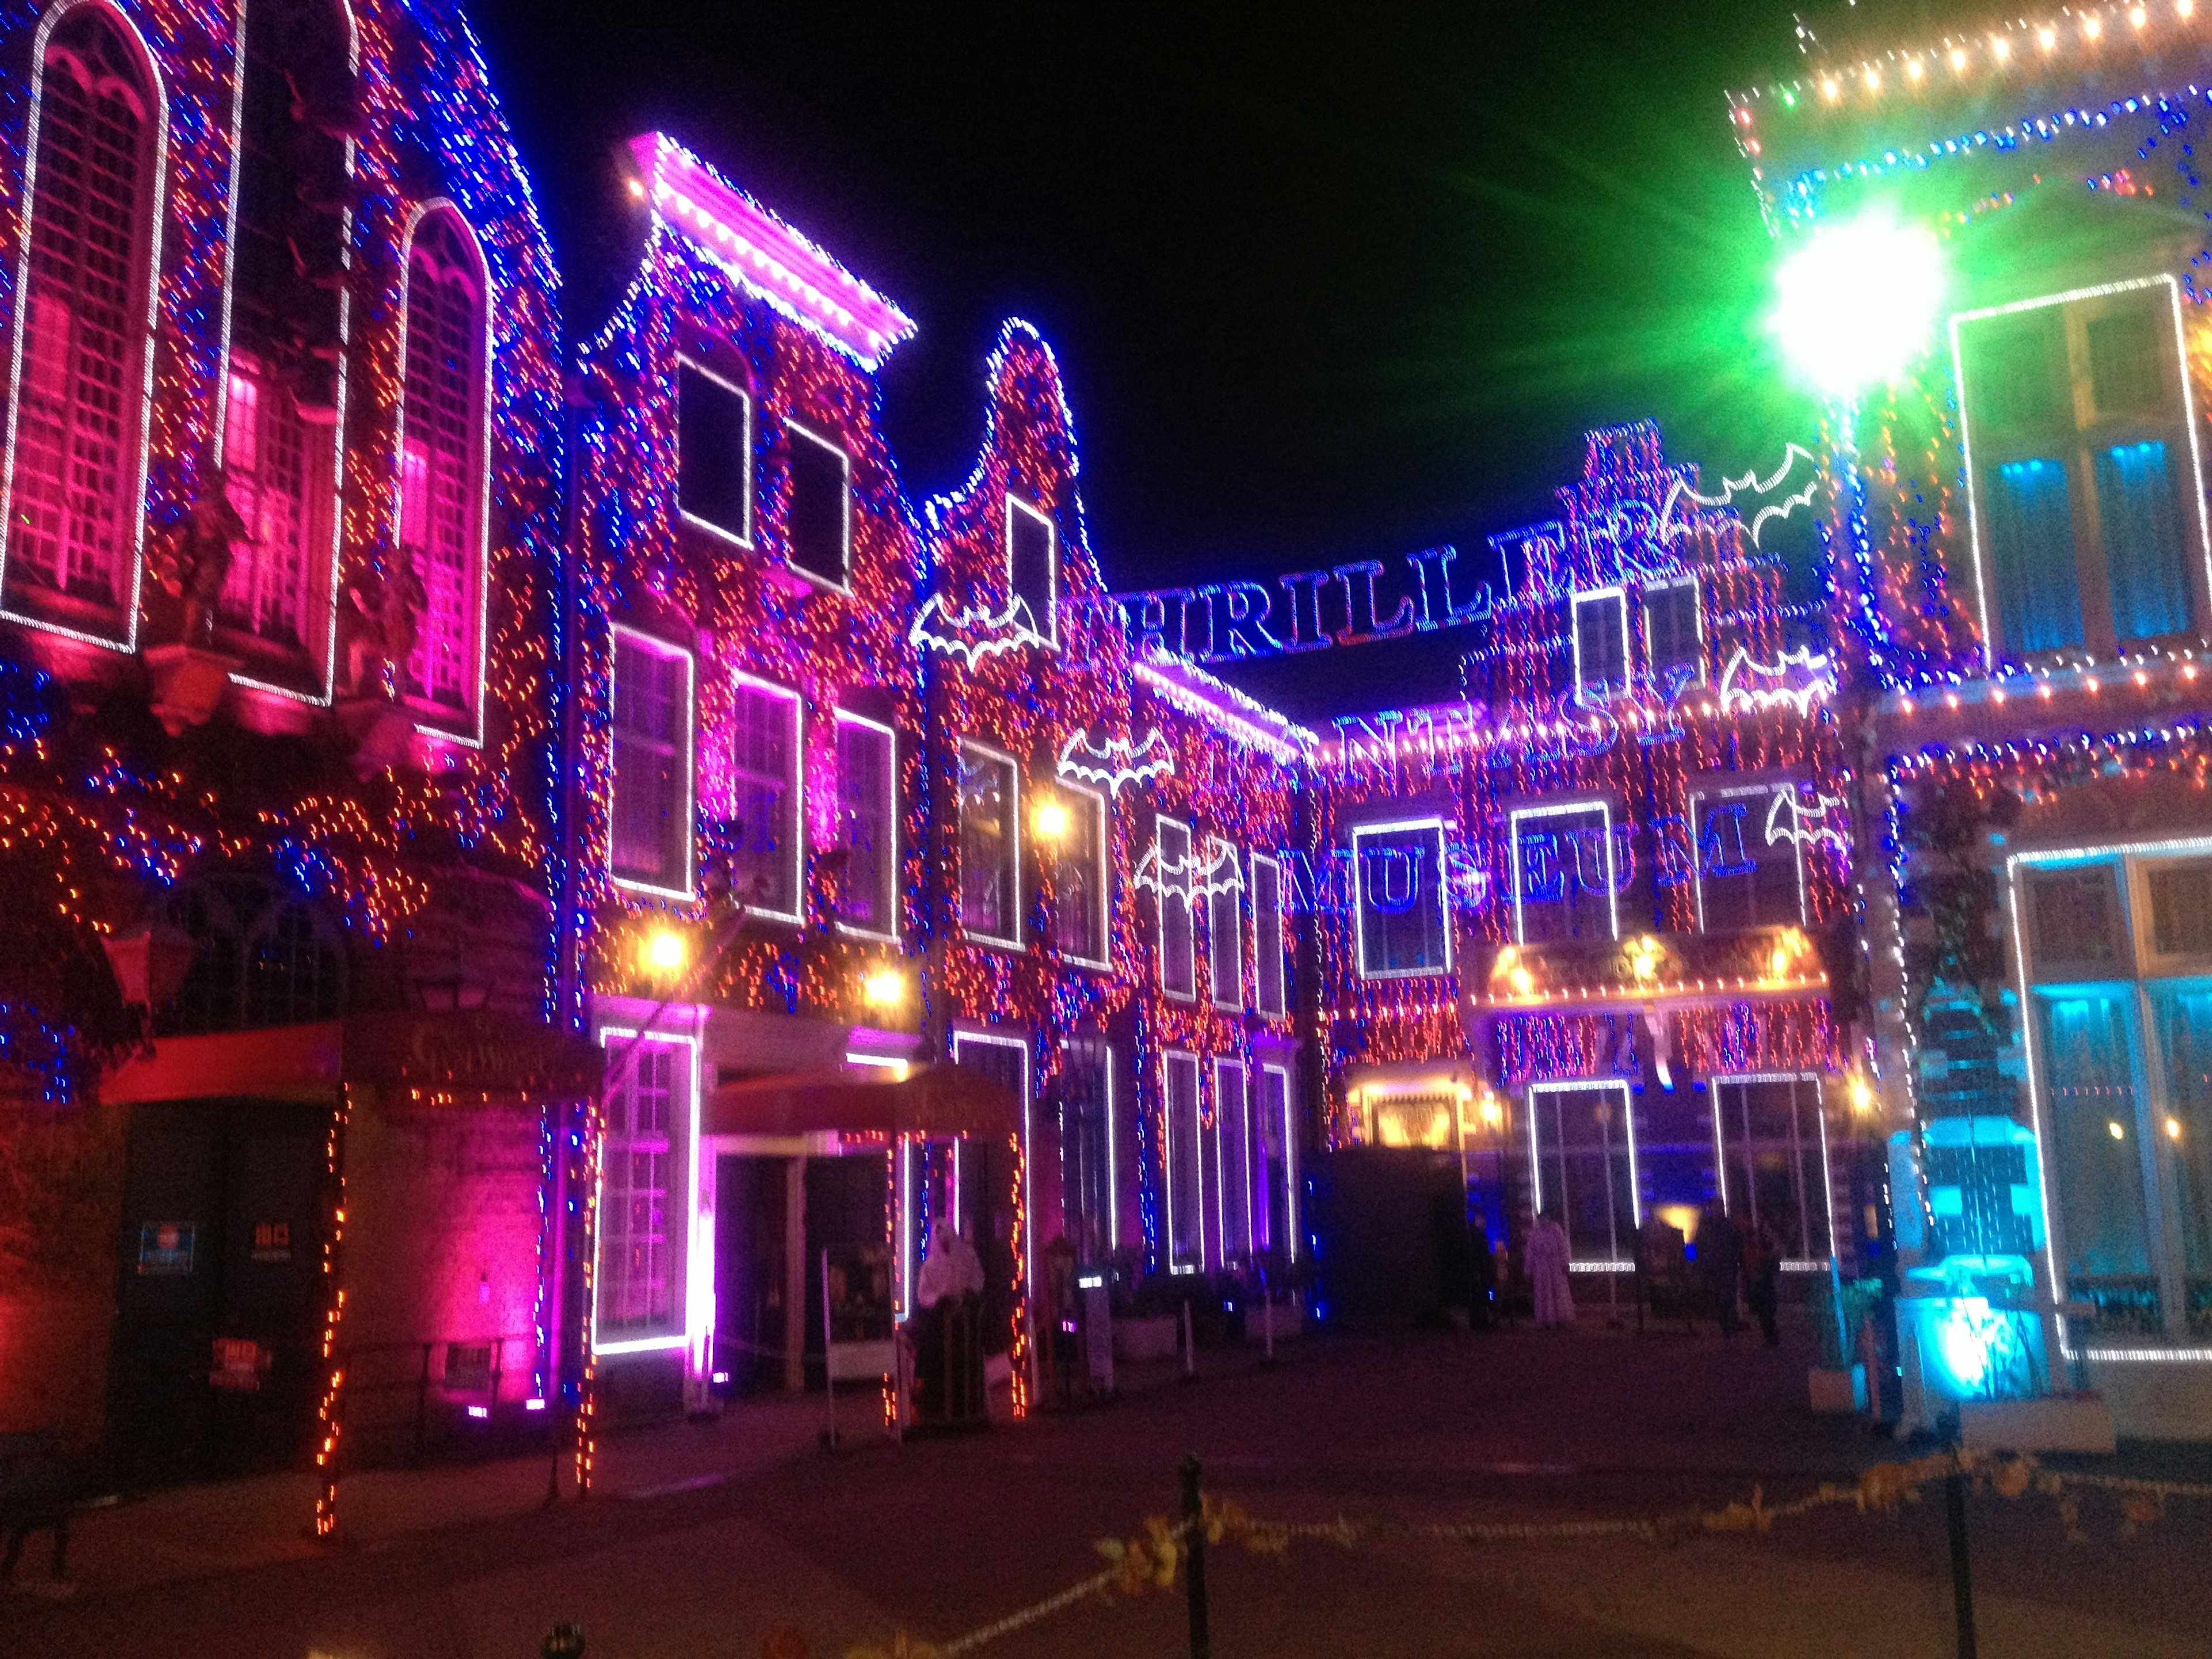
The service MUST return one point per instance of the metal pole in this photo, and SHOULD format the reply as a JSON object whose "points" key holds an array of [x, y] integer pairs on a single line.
{"points": [[1194, 1515], [828, 1371], [1189, 1344], [1267, 1315], [1962, 1580]]}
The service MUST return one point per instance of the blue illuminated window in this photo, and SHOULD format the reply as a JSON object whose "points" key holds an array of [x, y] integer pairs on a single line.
{"points": [[2142, 520], [1403, 923], [2031, 539]]}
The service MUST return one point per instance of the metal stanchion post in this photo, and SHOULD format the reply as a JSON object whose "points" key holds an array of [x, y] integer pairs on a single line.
{"points": [[1962, 1580], [1189, 1344], [1194, 1515]]}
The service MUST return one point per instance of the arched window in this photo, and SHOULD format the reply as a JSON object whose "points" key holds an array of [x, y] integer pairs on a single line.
{"points": [[441, 460], [283, 388], [266, 957], [79, 420]]}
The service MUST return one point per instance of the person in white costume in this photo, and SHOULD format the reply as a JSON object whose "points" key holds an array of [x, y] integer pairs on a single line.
{"points": [[1547, 1272]]}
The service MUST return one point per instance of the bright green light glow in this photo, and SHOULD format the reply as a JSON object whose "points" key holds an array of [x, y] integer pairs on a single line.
{"points": [[1857, 302]]}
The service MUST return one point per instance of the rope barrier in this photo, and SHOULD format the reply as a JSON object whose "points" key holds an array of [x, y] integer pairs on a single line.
{"points": [[1154, 1558]]}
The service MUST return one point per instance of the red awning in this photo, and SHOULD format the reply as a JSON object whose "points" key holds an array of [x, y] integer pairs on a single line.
{"points": [[941, 1100]]}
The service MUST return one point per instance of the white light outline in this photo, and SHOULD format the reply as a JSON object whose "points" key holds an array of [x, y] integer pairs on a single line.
{"points": [[482, 392], [799, 429], [1667, 584], [997, 630], [1048, 633], [1258, 946], [891, 869], [343, 369], [1014, 839], [1820, 1111], [1115, 775], [1167, 1059], [158, 207], [2123, 853], [2101, 290], [719, 532], [1113, 1171], [1669, 530], [1733, 699], [698, 1310], [1742, 791], [1164, 875], [1224, 853], [1561, 809], [1618, 595], [1101, 876], [662, 648], [1222, 1067], [999, 1039], [1359, 897], [1799, 817], [1290, 1160], [1563, 1085], [795, 785]]}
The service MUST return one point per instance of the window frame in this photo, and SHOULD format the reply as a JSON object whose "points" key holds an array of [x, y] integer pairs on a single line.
{"points": [[155, 187], [1262, 919], [1172, 886], [479, 540], [2092, 565], [1224, 1066], [1607, 692], [845, 717], [1696, 797], [1673, 585], [1290, 1244], [1395, 826], [683, 360], [798, 431], [1103, 872], [1012, 940], [1169, 1059], [1047, 630], [1516, 816], [688, 769], [1224, 853], [795, 787], [1004, 1037], [683, 1313]]}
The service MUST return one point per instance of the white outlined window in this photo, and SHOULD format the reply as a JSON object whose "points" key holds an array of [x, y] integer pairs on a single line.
{"points": [[1224, 933], [818, 524], [1268, 990], [1673, 636], [649, 834], [714, 452], [1088, 1178], [1749, 865], [1232, 1159], [1601, 638], [84, 332], [1178, 943], [1184, 1161], [990, 846], [1402, 921], [1080, 881], [1005, 1058], [1565, 884], [2084, 473], [1033, 567], [271, 476], [1771, 1146], [867, 826], [443, 479], [647, 1179], [1276, 1219], [765, 742], [1581, 1154], [2112, 948]]}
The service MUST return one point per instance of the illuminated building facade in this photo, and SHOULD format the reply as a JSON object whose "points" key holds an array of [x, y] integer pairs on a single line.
{"points": [[1591, 928], [2021, 596]]}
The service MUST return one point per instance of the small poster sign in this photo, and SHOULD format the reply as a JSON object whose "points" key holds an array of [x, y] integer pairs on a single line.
{"points": [[272, 1241], [165, 1249]]}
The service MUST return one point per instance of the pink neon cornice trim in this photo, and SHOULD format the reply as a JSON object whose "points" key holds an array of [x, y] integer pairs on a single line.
{"points": [[768, 255]]}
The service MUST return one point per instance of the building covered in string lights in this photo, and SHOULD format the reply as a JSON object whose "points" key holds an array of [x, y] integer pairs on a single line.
{"points": [[2021, 583]]}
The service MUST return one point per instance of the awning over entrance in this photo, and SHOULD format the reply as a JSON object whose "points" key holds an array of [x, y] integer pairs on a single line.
{"points": [[472, 1054], [940, 1100]]}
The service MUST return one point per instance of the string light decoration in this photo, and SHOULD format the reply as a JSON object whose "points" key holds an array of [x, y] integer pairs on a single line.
{"points": [[1649, 736], [328, 1426]]}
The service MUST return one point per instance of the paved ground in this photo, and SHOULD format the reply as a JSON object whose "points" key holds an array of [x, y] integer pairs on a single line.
{"points": [[706, 1540]]}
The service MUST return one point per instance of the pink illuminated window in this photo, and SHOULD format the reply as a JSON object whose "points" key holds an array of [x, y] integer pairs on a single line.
{"points": [[265, 452], [81, 404], [442, 467], [642, 1159], [651, 813]]}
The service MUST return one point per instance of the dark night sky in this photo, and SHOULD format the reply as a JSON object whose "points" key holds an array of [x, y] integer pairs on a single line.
{"points": [[1325, 284]]}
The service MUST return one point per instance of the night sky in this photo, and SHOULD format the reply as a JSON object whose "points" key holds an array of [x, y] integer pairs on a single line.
{"points": [[1326, 284]]}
